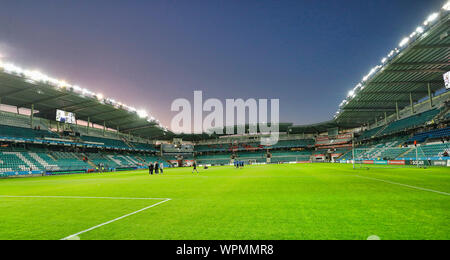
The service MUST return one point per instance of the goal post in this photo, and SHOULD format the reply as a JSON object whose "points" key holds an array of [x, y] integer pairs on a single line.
{"points": [[252, 161], [381, 156]]}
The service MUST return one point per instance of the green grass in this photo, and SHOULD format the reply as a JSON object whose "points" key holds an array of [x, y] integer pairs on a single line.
{"points": [[307, 201]]}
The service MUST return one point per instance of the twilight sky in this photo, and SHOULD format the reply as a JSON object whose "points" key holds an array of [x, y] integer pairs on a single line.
{"points": [[307, 53]]}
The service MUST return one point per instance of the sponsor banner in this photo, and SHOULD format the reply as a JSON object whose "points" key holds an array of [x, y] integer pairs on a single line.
{"points": [[448, 163], [304, 162], [381, 162], [416, 162], [368, 162], [440, 163], [396, 162], [20, 173], [425, 159]]}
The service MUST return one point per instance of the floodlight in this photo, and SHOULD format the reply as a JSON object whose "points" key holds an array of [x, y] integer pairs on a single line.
{"points": [[446, 6], [351, 93], [404, 42], [420, 29], [142, 113], [431, 18], [36, 76]]}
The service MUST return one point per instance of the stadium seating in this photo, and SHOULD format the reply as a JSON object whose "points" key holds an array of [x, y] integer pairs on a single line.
{"points": [[410, 122], [250, 146], [24, 133], [369, 133], [20, 159], [69, 161], [142, 146], [290, 156], [107, 142], [147, 159], [428, 151], [438, 133], [260, 157], [26, 161], [15, 120], [101, 159], [218, 159], [389, 149], [301, 143]]}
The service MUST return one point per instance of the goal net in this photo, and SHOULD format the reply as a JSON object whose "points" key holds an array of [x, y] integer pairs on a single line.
{"points": [[389, 157]]}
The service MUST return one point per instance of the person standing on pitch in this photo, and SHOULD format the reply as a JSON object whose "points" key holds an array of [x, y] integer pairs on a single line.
{"points": [[195, 167], [150, 168], [161, 167], [156, 168]]}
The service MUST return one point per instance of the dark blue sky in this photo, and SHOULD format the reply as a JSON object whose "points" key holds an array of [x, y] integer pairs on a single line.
{"points": [[308, 53]]}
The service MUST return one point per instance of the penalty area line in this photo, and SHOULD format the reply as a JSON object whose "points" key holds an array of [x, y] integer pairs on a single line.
{"points": [[114, 220], [404, 185]]}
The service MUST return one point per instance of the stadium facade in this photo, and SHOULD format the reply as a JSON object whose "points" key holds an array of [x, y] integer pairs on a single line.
{"points": [[50, 127]]}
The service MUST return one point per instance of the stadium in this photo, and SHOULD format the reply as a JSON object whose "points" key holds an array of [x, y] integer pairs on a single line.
{"points": [[74, 164]]}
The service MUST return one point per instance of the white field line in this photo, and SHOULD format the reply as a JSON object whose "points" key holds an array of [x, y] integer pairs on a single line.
{"points": [[404, 185], [111, 198], [80, 197], [114, 220]]}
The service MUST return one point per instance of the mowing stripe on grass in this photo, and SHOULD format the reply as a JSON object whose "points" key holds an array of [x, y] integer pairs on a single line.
{"points": [[114, 220], [404, 185], [239, 177]]}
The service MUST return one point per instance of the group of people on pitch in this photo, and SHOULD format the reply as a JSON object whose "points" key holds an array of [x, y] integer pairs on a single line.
{"points": [[239, 164], [156, 167]]}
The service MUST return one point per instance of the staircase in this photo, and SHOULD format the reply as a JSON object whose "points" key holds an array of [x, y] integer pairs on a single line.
{"points": [[25, 160], [381, 130], [441, 114], [139, 158], [128, 143], [130, 159], [91, 164], [118, 162], [127, 159], [407, 152], [45, 164]]}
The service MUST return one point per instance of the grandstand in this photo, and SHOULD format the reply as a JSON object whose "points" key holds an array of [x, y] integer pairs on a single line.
{"points": [[397, 115]]}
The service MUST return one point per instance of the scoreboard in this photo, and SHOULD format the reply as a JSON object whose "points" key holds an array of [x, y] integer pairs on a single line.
{"points": [[65, 117]]}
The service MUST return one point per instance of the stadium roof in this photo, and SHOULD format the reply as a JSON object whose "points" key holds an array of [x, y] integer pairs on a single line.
{"points": [[404, 75], [24, 89], [407, 74], [317, 128]]}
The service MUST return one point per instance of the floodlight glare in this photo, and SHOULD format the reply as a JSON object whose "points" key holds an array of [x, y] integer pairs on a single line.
{"points": [[142, 113], [432, 18], [36, 76], [404, 42], [419, 29], [446, 6]]}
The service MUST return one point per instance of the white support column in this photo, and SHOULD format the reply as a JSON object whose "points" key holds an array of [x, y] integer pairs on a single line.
{"points": [[32, 115], [430, 95]]}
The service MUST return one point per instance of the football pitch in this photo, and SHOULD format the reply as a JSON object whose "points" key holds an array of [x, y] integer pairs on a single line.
{"points": [[270, 202]]}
